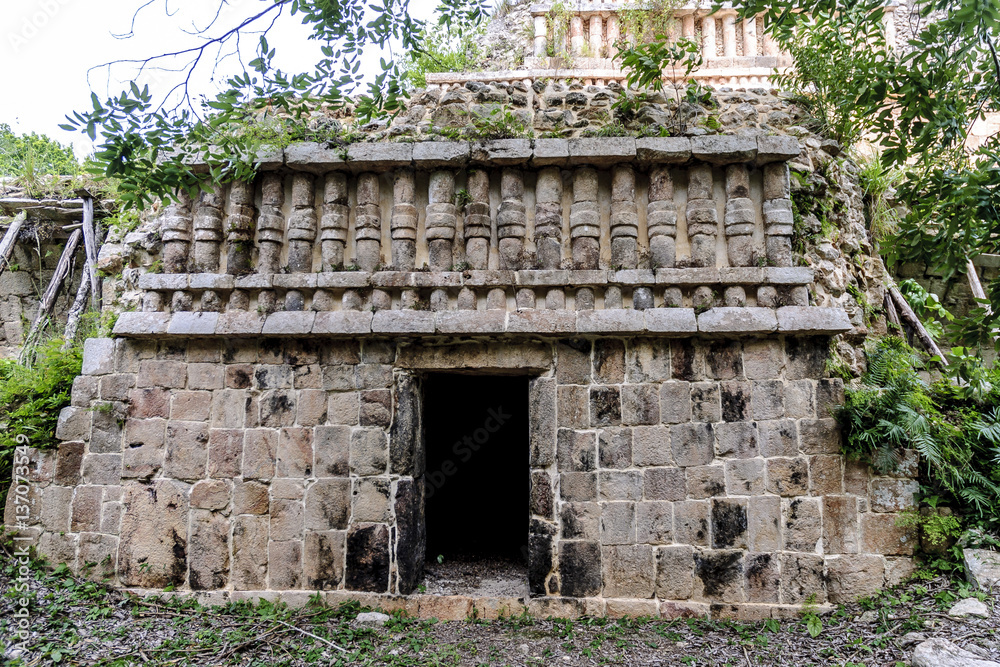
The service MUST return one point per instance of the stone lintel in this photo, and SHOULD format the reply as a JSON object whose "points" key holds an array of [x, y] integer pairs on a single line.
{"points": [[812, 320]]}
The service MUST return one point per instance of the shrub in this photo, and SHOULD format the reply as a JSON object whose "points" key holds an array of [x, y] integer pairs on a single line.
{"points": [[31, 396], [953, 423]]}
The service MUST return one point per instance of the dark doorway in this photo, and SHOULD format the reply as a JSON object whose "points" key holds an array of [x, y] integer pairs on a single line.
{"points": [[477, 481]]}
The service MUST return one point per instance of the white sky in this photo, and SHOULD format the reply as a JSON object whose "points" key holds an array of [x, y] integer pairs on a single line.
{"points": [[47, 46]]}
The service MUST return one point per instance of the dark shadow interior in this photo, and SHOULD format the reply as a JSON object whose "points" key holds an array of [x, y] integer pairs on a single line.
{"points": [[477, 480]]}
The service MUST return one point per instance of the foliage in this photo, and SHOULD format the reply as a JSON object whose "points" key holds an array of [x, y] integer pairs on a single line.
{"points": [[878, 183], [557, 21], [34, 154], [953, 425], [918, 105], [648, 20], [499, 123], [150, 142], [445, 47], [31, 396], [927, 307]]}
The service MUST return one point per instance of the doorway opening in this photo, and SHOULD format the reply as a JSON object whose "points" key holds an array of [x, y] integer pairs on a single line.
{"points": [[476, 484]]}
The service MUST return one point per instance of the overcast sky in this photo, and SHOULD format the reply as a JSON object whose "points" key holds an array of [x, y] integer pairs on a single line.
{"points": [[48, 46]]}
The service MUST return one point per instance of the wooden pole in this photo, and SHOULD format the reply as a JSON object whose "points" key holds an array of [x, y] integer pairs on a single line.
{"points": [[76, 312], [10, 238], [890, 311], [49, 298], [90, 246], [906, 313]]}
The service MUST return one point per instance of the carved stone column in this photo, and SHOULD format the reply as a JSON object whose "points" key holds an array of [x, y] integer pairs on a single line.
{"points": [[661, 219], [777, 214], [175, 227], [511, 219], [368, 223], [708, 44], [702, 216], [541, 36], [240, 229], [739, 216], [477, 220], [624, 218], [208, 229], [441, 219], [728, 32], [271, 224], [614, 34], [333, 223], [596, 36], [750, 37], [576, 35], [302, 224], [585, 220], [548, 218], [404, 221]]}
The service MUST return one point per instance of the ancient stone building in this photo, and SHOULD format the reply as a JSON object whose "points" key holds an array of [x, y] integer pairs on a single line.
{"points": [[595, 357]]}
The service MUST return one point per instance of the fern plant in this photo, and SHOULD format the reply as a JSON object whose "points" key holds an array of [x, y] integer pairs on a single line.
{"points": [[953, 426]]}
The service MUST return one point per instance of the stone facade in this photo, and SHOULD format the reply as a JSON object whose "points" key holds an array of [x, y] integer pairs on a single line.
{"points": [[256, 429]]}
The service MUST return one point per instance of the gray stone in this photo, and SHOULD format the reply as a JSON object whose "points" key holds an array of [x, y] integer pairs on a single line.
{"points": [[98, 356], [723, 149], [663, 149], [982, 568], [372, 618], [776, 148], [344, 322], [379, 156], [940, 652], [737, 320], [601, 151], [812, 320], [671, 320], [137, 324], [969, 607], [289, 323]]}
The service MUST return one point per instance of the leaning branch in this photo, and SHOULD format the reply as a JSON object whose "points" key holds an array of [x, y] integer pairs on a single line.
{"points": [[906, 313]]}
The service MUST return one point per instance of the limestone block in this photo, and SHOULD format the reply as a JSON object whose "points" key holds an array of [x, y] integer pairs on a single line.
{"points": [[940, 652], [670, 320], [98, 356], [367, 558], [737, 320], [811, 320], [787, 477], [153, 551], [600, 151], [284, 564], [762, 578], [691, 522], [660, 150], [982, 568], [379, 156], [628, 571], [723, 149], [580, 569], [802, 524], [323, 559], [209, 562], [250, 552], [802, 578], [433, 154], [764, 524], [893, 495], [719, 575]]}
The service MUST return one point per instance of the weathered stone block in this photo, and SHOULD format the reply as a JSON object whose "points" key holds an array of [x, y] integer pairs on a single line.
{"points": [[328, 503], [763, 359], [323, 559], [648, 361], [706, 405], [98, 556], [615, 447], [654, 522], [764, 523], [154, 530], [344, 408], [735, 398], [618, 523], [651, 446], [881, 535], [295, 453], [578, 486], [675, 402], [819, 436], [692, 444], [369, 453], [102, 469], [745, 477], [577, 450], [664, 484], [98, 356], [210, 495], [691, 522], [370, 500], [284, 564], [367, 558], [580, 568], [762, 577], [803, 524], [705, 481], [250, 498], [542, 419], [286, 519], [778, 438], [186, 450], [260, 451], [802, 579], [573, 406], [788, 476], [209, 566], [332, 445], [629, 571], [893, 495], [250, 553], [718, 575], [825, 475], [573, 362], [840, 525], [736, 440]]}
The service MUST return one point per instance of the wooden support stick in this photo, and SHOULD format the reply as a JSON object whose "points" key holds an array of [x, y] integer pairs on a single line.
{"points": [[890, 311], [90, 246], [49, 298], [977, 287], [9, 239], [906, 313], [76, 312]]}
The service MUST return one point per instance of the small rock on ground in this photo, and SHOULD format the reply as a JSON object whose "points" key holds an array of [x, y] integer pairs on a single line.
{"points": [[969, 607], [942, 653], [982, 567], [372, 617]]}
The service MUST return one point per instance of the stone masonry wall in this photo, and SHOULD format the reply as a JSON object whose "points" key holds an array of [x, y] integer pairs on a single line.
{"points": [[668, 476]]}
